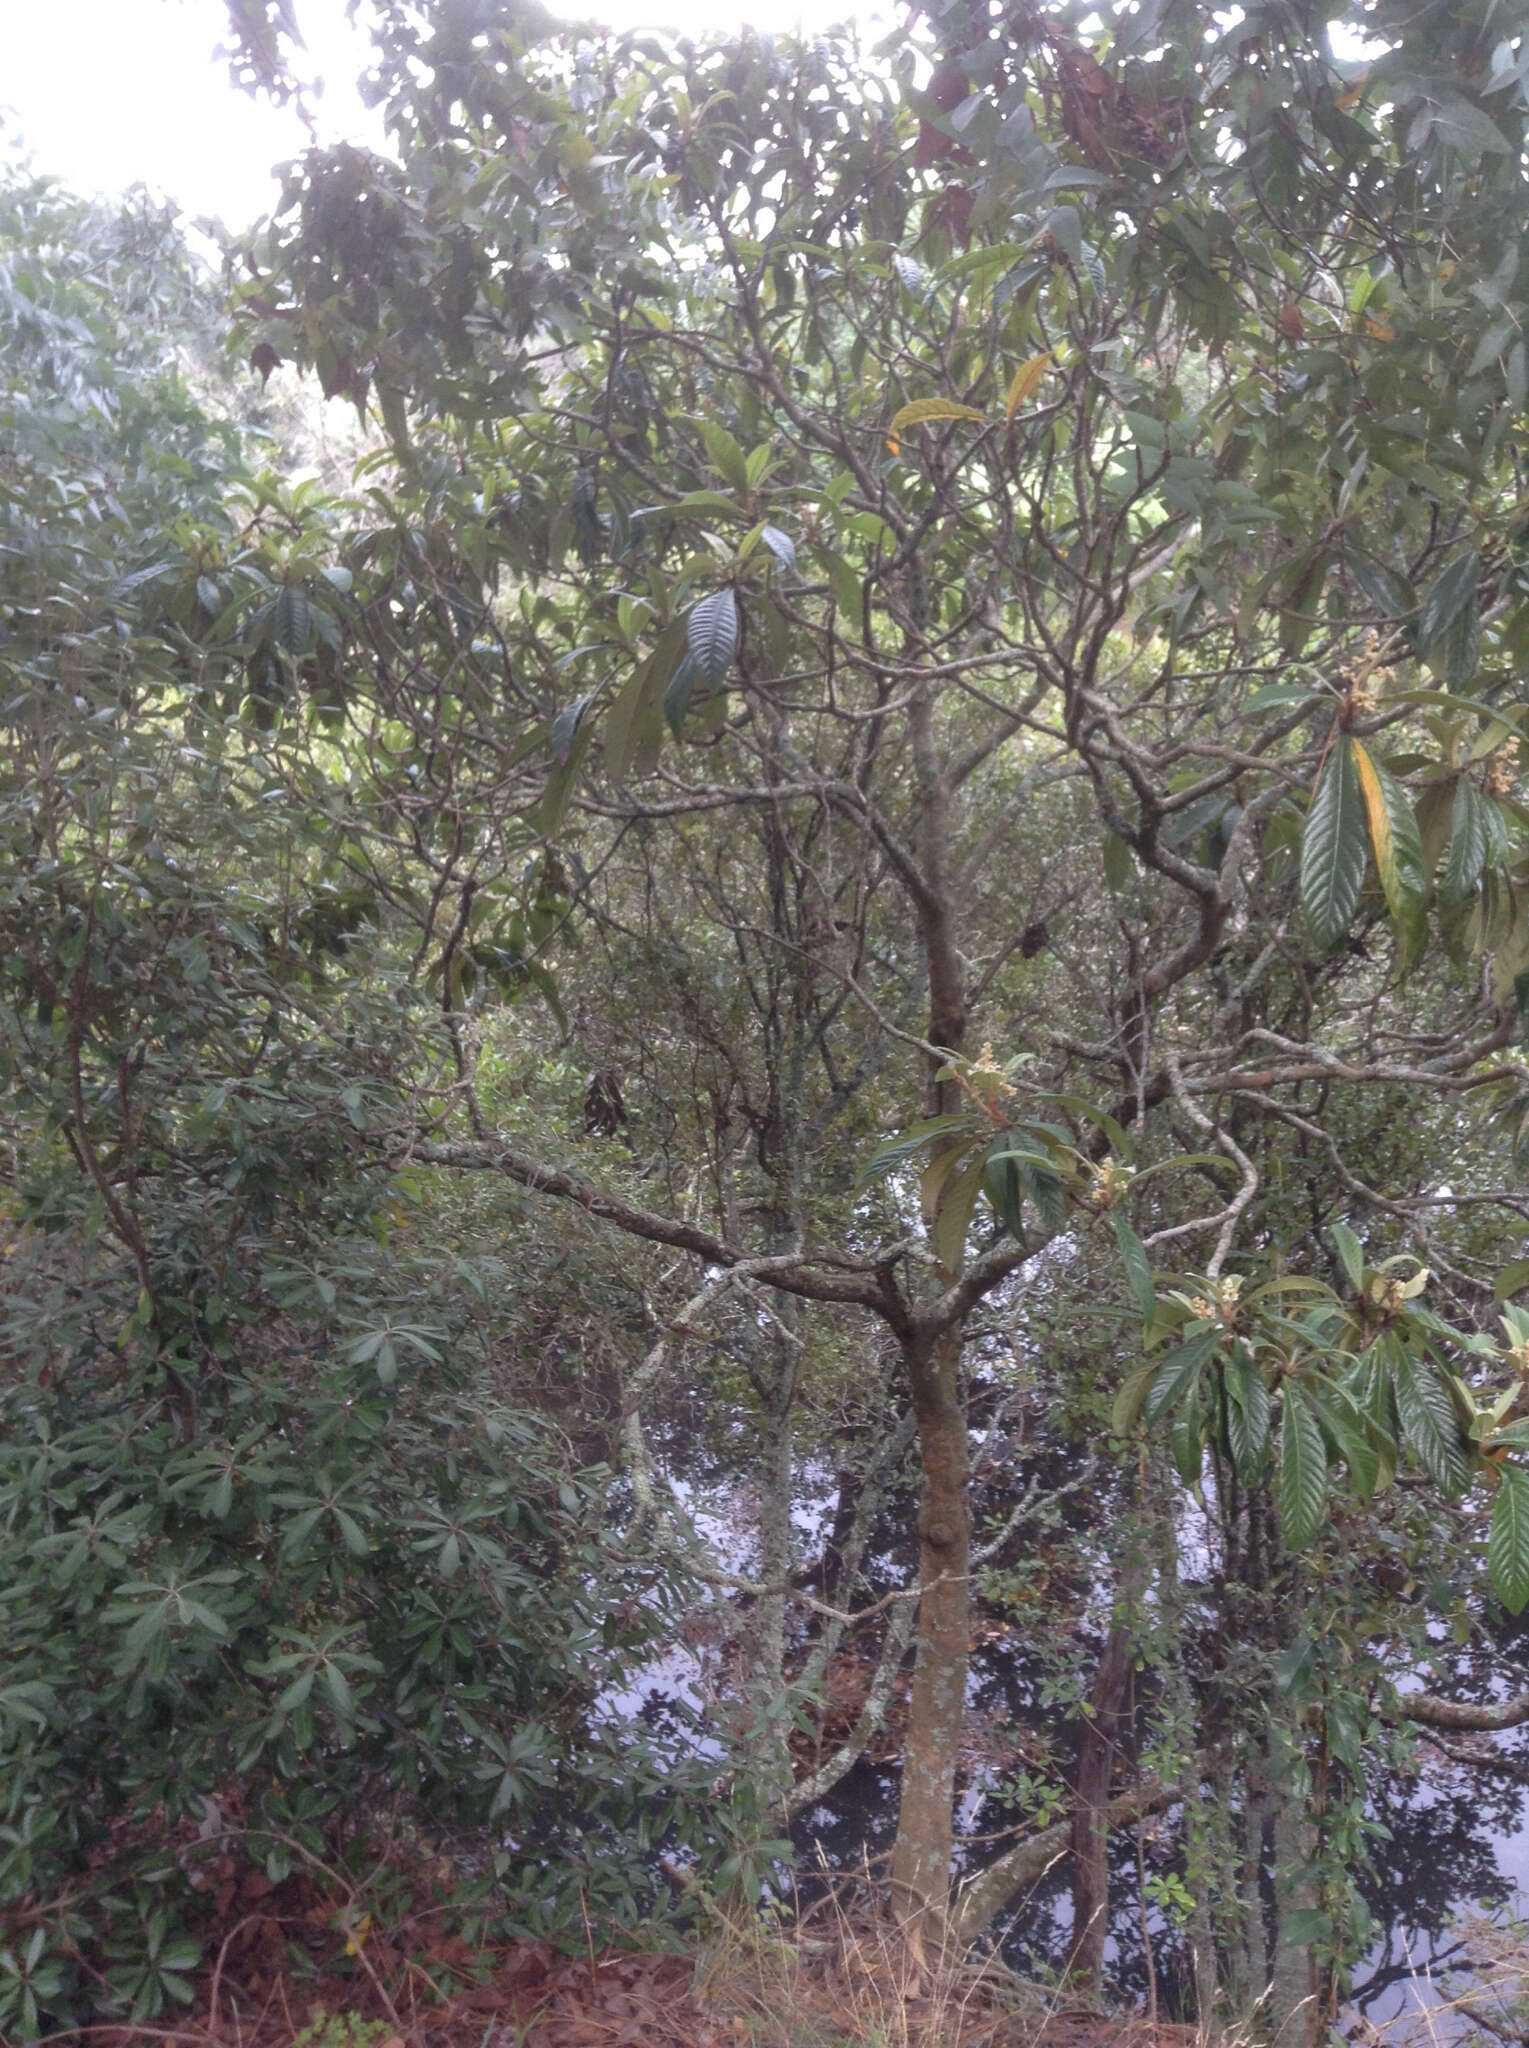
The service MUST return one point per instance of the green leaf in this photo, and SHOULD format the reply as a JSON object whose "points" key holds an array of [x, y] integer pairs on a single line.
{"points": [[711, 502], [1125, 1412], [1138, 1266], [1397, 846], [1341, 1418], [1390, 593], [1004, 1188], [1461, 647], [1512, 1277], [1467, 844], [547, 817], [677, 696], [1304, 1925], [917, 1138], [1451, 597], [947, 1240], [1043, 1185], [1119, 866], [1333, 849], [1351, 1253], [1508, 1539], [1303, 1480], [1280, 697], [1187, 1439], [1464, 126], [848, 590], [727, 457], [1179, 1371], [780, 544], [712, 636], [1247, 1415], [565, 728], [290, 620], [1429, 1421], [637, 705]]}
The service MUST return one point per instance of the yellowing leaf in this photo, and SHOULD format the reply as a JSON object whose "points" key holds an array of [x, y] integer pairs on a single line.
{"points": [[1380, 330], [1026, 381], [923, 409], [1397, 846]]}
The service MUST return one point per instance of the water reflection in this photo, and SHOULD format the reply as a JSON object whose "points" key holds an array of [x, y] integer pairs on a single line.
{"points": [[1452, 1838]]}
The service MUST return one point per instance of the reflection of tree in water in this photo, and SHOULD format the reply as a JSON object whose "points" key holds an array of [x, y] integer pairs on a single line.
{"points": [[1438, 1858], [854, 1825]]}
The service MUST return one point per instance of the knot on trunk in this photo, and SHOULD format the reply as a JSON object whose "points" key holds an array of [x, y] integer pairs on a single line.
{"points": [[939, 1535]]}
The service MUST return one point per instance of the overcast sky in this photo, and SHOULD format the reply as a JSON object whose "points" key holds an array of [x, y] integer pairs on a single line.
{"points": [[110, 93]]}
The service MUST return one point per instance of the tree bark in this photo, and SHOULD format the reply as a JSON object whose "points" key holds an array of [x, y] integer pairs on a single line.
{"points": [[925, 1833], [1429, 1711], [1294, 2009], [932, 1353], [1104, 1728]]}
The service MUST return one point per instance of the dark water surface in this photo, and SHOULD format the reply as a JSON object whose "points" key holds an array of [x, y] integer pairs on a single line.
{"points": [[1456, 1837]]}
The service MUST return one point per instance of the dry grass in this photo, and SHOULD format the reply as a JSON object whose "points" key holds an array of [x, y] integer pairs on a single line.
{"points": [[318, 1961], [1480, 2001]]}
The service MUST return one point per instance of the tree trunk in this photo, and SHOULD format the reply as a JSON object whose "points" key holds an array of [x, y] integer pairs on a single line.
{"points": [[1294, 2004], [1103, 1730], [932, 1353], [925, 1834], [775, 1533]]}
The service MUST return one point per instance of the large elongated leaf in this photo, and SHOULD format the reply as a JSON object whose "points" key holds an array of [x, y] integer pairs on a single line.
{"points": [[1187, 1437], [1460, 647], [1429, 1421], [917, 1138], [1351, 1252], [290, 619], [1179, 1371], [677, 696], [1452, 594], [633, 731], [1005, 1190], [727, 457], [948, 1238], [1333, 849], [1043, 1185], [1349, 1431], [1467, 844], [922, 409], [1508, 1540], [1303, 1479], [1138, 1267], [1388, 591], [1126, 1409], [565, 728], [1397, 845], [780, 544], [712, 637], [1247, 1416], [1027, 380]]}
